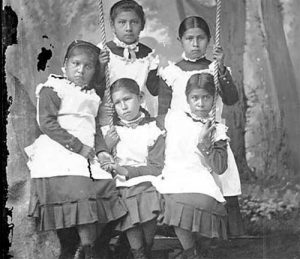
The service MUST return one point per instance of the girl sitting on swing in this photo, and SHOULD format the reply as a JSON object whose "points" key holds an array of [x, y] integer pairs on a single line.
{"points": [[194, 204], [194, 36]]}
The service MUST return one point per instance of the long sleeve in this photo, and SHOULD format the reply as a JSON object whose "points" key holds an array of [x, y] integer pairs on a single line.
{"points": [[49, 104], [152, 82], [215, 155], [155, 160], [100, 144], [164, 97], [228, 90]]}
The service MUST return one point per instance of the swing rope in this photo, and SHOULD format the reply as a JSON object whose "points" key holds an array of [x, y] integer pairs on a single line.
{"points": [[107, 81], [216, 66], [216, 79]]}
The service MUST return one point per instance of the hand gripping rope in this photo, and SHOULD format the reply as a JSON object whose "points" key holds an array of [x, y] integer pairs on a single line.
{"points": [[216, 79], [216, 67], [107, 82]]}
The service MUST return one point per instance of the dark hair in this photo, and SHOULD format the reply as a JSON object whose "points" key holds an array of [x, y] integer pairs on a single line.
{"points": [[201, 81], [127, 5], [193, 22], [131, 86], [93, 51], [127, 83], [83, 45]]}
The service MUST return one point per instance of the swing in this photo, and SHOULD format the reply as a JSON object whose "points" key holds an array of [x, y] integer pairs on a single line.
{"points": [[217, 43], [107, 81], [216, 67], [162, 239]]}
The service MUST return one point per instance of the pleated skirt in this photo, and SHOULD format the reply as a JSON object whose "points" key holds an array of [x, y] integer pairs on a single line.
{"points": [[143, 203], [197, 213], [67, 201]]}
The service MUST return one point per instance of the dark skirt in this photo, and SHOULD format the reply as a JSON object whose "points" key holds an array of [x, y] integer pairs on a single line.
{"points": [[67, 201], [235, 225], [143, 204], [197, 213]]}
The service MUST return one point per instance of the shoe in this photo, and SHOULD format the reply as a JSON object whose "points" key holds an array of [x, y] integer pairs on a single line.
{"points": [[148, 250], [90, 252], [191, 253], [69, 242], [139, 253], [79, 253]]}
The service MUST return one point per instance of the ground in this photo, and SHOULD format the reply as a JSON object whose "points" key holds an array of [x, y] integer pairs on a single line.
{"points": [[274, 246]]}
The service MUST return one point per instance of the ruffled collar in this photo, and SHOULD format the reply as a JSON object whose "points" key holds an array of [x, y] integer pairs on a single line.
{"points": [[129, 49], [183, 55], [133, 123], [85, 88], [197, 118]]}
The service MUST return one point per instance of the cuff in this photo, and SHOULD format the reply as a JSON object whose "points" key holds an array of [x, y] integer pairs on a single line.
{"points": [[75, 145], [132, 172], [101, 149], [226, 77], [204, 148]]}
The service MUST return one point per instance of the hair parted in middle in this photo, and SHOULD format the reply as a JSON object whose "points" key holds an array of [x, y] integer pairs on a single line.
{"points": [[201, 81], [125, 83], [192, 22]]}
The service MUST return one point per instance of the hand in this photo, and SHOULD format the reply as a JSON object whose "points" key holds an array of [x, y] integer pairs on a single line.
{"points": [[111, 138], [106, 160], [205, 133], [219, 56], [87, 152], [160, 219], [104, 57], [121, 170], [106, 111]]}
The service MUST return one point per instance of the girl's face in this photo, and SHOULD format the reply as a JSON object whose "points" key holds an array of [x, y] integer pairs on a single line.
{"points": [[200, 102], [127, 104], [80, 68], [127, 26], [194, 43]]}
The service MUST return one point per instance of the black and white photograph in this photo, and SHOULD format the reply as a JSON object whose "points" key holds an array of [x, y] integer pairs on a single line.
{"points": [[150, 129]]}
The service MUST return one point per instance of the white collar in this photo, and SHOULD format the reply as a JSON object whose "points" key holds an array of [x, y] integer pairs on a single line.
{"points": [[196, 118], [128, 48], [133, 123], [183, 55]]}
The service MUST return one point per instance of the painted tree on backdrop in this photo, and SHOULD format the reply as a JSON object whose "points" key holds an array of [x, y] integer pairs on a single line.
{"points": [[285, 82], [52, 25]]}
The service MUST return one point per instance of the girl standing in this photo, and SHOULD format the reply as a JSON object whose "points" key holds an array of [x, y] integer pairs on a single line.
{"points": [[139, 157], [194, 36], [128, 58], [69, 188], [193, 200]]}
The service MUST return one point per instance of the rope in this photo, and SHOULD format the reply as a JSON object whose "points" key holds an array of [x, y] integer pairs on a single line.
{"points": [[216, 67], [107, 81], [216, 79]]}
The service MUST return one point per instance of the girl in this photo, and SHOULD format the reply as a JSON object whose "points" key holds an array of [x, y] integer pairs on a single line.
{"points": [[139, 157], [127, 56], [193, 200], [194, 36], [70, 190]]}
